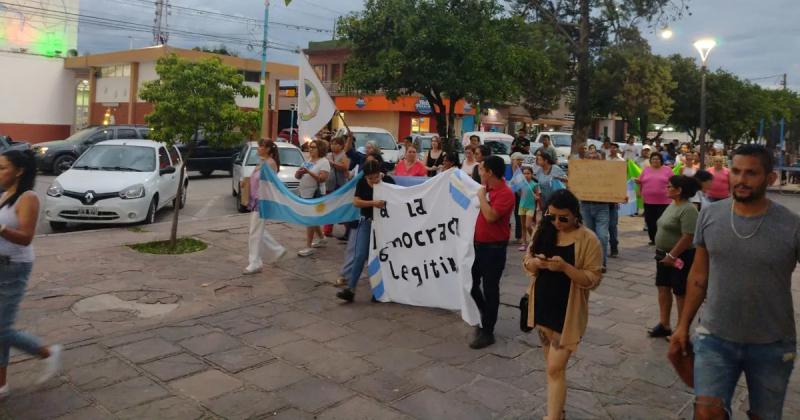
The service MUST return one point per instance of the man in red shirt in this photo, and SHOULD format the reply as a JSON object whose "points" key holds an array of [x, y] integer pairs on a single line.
{"points": [[492, 231]]}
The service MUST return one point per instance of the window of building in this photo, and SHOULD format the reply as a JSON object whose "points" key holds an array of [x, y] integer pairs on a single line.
{"points": [[82, 105], [420, 125], [322, 71], [120, 70], [288, 92], [252, 76], [336, 73]]}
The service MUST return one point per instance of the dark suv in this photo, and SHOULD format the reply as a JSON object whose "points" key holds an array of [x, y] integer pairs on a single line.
{"points": [[207, 159], [59, 155]]}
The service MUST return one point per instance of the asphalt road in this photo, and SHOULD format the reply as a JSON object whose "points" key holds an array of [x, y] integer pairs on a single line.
{"points": [[207, 197]]}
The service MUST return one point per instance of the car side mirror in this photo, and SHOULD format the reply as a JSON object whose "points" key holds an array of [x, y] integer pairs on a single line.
{"points": [[167, 170]]}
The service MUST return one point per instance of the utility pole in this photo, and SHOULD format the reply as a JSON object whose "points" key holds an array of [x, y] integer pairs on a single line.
{"points": [[783, 83], [263, 102], [160, 33]]}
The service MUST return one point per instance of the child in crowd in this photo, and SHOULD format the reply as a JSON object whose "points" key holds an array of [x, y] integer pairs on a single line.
{"points": [[527, 206]]}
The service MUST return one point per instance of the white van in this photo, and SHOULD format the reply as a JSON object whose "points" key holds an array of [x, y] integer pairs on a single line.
{"points": [[384, 139]]}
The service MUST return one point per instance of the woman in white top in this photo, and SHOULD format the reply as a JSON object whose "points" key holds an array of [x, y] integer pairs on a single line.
{"points": [[469, 160], [19, 211], [259, 236], [312, 178]]}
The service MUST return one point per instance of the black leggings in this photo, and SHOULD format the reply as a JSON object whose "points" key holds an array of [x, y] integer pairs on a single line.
{"points": [[652, 212]]}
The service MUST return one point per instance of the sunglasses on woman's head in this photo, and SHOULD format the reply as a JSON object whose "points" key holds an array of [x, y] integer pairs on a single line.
{"points": [[551, 218]]}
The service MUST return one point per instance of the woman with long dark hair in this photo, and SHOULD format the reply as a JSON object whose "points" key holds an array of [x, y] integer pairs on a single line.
{"points": [[19, 211], [564, 263], [268, 153]]}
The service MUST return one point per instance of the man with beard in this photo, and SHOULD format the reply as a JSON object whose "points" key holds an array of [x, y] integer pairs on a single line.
{"points": [[747, 247]]}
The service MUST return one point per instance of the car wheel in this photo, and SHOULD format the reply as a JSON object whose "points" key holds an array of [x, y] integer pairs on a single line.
{"points": [[58, 226], [62, 163], [151, 212], [206, 173]]}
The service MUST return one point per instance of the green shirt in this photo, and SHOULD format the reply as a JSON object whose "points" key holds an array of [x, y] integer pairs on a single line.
{"points": [[676, 220], [528, 200]]}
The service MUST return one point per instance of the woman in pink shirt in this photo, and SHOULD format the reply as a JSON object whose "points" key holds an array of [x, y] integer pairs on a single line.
{"points": [[653, 182], [410, 166], [720, 189]]}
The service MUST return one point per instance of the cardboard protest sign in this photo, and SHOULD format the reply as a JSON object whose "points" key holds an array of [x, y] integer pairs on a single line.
{"points": [[603, 181]]}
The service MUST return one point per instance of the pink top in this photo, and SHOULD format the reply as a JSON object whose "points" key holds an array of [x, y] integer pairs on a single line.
{"points": [[654, 185], [417, 169], [255, 178], [719, 185]]}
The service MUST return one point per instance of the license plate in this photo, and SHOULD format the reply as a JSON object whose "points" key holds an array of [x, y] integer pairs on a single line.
{"points": [[87, 211]]}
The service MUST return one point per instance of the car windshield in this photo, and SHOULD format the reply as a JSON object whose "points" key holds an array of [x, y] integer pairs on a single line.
{"points": [[561, 140], [424, 143], [117, 158], [384, 140], [498, 147], [289, 157]]}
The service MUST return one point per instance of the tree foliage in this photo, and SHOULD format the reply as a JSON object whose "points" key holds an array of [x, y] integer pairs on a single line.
{"points": [[685, 95]]}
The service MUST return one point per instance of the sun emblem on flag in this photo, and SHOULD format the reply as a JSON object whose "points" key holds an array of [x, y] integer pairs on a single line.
{"points": [[320, 208], [310, 102]]}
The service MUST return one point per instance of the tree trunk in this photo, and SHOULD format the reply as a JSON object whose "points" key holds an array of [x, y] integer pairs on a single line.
{"points": [[451, 119], [644, 122], [173, 236], [583, 118], [439, 112]]}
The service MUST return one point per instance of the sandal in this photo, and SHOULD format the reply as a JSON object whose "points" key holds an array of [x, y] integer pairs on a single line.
{"points": [[660, 331]]}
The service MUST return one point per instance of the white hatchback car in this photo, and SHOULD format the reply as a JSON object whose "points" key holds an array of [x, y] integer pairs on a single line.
{"points": [[245, 162], [116, 181]]}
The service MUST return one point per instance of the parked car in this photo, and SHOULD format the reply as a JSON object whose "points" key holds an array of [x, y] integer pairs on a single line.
{"points": [[499, 143], [289, 135], [116, 181], [205, 158], [246, 159], [6, 143], [59, 155], [383, 138]]}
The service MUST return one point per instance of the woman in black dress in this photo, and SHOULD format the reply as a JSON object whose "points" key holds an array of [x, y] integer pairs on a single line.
{"points": [[435, 157]]}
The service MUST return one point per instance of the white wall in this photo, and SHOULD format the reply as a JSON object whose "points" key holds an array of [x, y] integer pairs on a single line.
{"points": [[249, 102], [147, 72], [36, 90], [112, 89]]}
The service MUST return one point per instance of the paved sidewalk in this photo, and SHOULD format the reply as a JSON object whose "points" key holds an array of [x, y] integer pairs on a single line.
{"points": [[280, 345]]}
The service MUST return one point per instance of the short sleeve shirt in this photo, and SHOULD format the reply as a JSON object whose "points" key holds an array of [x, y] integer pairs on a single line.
{"points": [[308, 185], [677, 220], [365, 192], [502, 200]]}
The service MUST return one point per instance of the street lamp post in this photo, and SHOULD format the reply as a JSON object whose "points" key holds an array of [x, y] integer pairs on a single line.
{"points": [[704, 47], [263, 103]]}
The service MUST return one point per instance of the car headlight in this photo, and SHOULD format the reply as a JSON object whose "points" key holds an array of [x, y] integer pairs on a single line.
{"points": [[55, 190], [42, 150], [132, 192]]}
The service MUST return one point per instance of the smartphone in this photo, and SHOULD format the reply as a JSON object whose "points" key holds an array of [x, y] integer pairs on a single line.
{"points": [[679, 264]]}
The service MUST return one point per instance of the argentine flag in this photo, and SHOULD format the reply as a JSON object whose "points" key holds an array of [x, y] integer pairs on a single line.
{"points": [[518, 181], [276, 202]]}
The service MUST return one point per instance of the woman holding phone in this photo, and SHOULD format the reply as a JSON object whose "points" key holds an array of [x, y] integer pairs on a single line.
{"points": [[564, 262]]}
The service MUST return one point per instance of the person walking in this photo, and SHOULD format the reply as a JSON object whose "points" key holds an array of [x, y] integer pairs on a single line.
{"points": [[653, 182], [469, 163], [547, 145], [516, 165], [19, 212], [268, 153], [492, 232], [363, 199], [450, 161], [410, 165], [482, 152], [596, 216], [312, 178], [747, 247], [564, 263], [434, 158], [340, 172], [630, 151], [720, 188], [549, 175], [674, 249], [527, 206]]}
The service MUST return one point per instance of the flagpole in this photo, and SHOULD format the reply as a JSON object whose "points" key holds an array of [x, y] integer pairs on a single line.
{"points": [[262, 103]]}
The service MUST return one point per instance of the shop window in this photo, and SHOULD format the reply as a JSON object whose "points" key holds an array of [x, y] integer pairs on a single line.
{"points": [[420, 125]]}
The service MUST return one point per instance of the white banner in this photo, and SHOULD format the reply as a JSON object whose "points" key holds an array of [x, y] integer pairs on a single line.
{"points": [[422, 248], [315, 106]]}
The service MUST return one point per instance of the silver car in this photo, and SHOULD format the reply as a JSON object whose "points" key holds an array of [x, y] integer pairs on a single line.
{"points": [[244, 163]]}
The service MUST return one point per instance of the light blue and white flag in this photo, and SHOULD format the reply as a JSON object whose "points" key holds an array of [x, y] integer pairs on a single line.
{"points": [[276, 202], [517, 181]]}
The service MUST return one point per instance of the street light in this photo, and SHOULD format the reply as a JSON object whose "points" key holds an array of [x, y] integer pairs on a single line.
{"points": [[704, 47]]}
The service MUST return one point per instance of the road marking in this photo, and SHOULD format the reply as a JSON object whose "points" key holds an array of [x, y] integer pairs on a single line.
{"points": [[203, 211]]}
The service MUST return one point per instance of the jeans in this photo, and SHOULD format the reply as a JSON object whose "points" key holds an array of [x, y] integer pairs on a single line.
{"points": [[596, 217], [490, 260], [260, 237], [13, 280], [360, 252], [719, 363], [349, 253], [613, 231], [517, 224]]}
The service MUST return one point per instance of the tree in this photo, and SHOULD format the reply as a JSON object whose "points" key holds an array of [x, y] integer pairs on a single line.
{"points": [[193, 97], [589, 26], [735, 107], [685, 95], [222, 49], [443, 50]]}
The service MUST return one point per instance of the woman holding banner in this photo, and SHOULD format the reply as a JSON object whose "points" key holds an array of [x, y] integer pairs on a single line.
{"points": [[268, 153], [564, 262], [312, 178]]}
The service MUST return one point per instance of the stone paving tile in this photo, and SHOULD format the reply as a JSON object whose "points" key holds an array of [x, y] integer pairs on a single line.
{"points": [[292, 414], [508, 348], [146, 350], [409, 339], [239, 327], [384, 386], [360, 408], [498, 367], [179, 333], [128, 394], [173, 408], [442, 377], [357, 344], [87, 413], [454, 353], [174, 367], [273, 376], [125, 339], [211, 343], [301, 352], [270, 337], [397, 360], [498, 396], [323, 331], [433, 405], [641, 391], [207, 385], [45, 404], [339, 367], [314, 394], [80, 356], [239, 359], [100, 374], [294, 319], [246, 404]]}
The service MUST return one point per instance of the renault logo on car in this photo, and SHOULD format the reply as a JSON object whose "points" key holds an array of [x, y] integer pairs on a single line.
{"points": [[88, 198]]}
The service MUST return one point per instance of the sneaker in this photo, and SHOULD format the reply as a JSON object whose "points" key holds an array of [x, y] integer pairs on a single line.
{"points": [[614, 253], [522, 248], [346, 295], [305, 252], [660, 331], [4, 391], [251, 270], [280, 256], [319, 243], [483, 340], [52, 364]]}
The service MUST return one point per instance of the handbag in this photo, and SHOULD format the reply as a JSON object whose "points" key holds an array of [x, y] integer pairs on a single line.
{"points": [[523, 314]]}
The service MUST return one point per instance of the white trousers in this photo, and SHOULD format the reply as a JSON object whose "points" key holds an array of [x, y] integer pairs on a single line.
{"points": [[260, 238]]}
